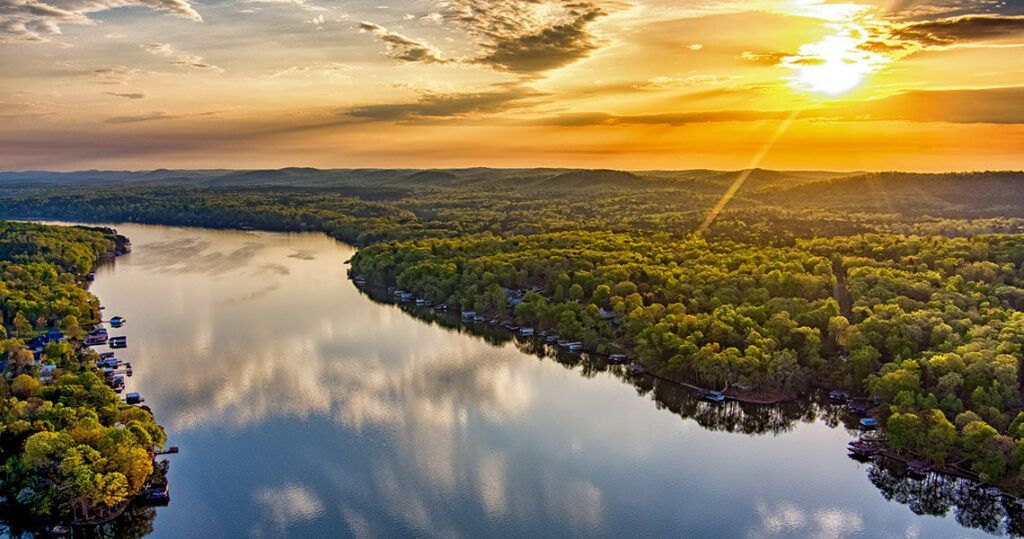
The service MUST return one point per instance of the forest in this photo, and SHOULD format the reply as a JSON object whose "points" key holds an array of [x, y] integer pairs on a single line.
{"points": [[905, 289], [70, 448]]}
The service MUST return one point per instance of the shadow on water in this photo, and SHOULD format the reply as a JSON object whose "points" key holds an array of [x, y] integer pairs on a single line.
{"points": [[935, 494]]}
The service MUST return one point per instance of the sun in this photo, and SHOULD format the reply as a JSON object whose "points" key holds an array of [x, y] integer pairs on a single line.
{"points": [[833, 66]]}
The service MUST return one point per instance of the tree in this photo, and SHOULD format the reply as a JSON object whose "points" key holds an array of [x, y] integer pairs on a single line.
{"points": [[940, 439], [25, 386], [22, 327], [903, 430]]}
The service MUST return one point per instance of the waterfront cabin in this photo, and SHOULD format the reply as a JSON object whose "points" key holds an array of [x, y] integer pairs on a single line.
{"points": [[868, 423], [47, 373], [838, 396], [716, 397], [859, 406], [133, 398]]}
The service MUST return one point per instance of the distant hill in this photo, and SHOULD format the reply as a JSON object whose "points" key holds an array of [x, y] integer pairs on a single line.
{"points": [[594, 178], [978, 194]]}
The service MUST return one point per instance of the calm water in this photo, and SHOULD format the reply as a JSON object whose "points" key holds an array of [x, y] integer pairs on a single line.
{"points": [[304, 408]]}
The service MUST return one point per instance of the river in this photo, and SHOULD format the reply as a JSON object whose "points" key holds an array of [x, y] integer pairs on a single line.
{"points": [[304, 408]]}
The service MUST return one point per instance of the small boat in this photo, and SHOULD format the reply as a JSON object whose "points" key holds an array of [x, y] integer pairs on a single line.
{"points": [[868, 423], [157, 495], [90, 277], [636, 369], [94, 340], [863, 448], [838, 396], [994, 492], [617, 359], [133, 398], [526, 332], [716, 397], [468, 315], [117, 321], [58, 530], [479, 318], [551, 339]]}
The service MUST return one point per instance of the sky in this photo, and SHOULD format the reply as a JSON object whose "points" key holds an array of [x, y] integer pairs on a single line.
{"points": [[630, 84]]}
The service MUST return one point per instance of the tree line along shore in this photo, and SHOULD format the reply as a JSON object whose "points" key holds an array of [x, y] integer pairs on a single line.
{"points": [[72, 451]]}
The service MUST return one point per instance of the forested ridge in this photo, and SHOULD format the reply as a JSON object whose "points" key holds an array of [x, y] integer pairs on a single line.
{"points": [[902, 288], [70, 449]]}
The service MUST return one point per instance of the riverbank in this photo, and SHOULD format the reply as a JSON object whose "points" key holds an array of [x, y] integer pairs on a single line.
{"points": [[75, 452]]}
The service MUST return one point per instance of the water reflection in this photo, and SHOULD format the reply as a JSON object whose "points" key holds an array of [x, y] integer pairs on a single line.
{"points": [[304, 408]]}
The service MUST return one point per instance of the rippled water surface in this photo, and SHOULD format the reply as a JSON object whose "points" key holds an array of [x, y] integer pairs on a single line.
{"points": [[304, 408]]}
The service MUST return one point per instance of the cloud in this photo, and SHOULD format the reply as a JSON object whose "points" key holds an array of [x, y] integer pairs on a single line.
{"points": [[520, 36], [330, 70], [967, 106], [769, 58], [402, 48], [436, 106], [37, 20], [666, 83], [178, 58], [963, 29], [529, 36], [117, 74], [129, 95], [139, 118]]}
